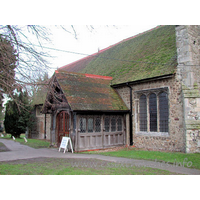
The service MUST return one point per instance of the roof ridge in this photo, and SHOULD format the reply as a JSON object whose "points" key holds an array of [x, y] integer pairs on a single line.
{"points": [[86, 75], [99, 76]]}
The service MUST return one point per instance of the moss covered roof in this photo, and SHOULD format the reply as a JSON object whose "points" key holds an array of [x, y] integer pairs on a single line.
{"points": [[86, 92], [149, 54]]}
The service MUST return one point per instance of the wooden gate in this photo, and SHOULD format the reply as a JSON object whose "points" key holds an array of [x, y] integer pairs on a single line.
{"points": [[63, 119]]}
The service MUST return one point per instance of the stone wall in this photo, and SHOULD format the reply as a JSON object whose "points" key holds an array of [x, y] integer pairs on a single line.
{"points": [[38, 131], [188, 72], [174, 140], [41, 126]]}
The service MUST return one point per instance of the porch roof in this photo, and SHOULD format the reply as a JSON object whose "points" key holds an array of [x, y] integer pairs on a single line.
{"points": [[86, 92]]}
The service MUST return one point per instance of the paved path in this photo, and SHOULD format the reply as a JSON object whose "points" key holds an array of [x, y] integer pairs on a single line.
{"points": [[19, 151]]}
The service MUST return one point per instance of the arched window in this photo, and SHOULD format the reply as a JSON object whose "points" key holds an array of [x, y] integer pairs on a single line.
{"points": [[163, 112], [143, 113], [153, 112]]}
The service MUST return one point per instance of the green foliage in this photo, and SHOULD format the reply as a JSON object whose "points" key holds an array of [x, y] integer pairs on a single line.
{"points": [[18, 114]]}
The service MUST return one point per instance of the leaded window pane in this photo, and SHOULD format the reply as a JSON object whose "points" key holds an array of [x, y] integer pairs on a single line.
{"points": [[119, 124], [82, 125], [97, 124], [153, 112], [107, 124], [90, 125], [163, 111], [113, 124], [143, 113]]}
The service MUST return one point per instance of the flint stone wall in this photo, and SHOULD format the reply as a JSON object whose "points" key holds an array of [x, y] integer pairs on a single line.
{"points": [[174, 140], [38, 131]]}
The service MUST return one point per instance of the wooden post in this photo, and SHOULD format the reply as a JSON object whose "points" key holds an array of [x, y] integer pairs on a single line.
{"points": [[45, 126]]}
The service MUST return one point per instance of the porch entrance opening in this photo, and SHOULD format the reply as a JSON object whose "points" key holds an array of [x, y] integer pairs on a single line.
{"points": [[62, 126]]}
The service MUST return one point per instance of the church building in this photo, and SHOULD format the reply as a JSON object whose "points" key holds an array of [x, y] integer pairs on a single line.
{"points": [[143, 91]]}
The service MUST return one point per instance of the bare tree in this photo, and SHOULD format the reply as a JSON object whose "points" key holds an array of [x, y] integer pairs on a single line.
{"points": [[27, 45], [22, 57], [27, 41]]}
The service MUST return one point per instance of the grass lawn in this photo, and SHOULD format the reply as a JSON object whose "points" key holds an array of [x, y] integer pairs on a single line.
{"points": [[56, 167], [34, 143], [61, 166], [192, 160]]}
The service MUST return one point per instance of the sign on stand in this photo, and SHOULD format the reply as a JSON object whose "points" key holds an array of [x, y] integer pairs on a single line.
{"points": [[64, 144]]}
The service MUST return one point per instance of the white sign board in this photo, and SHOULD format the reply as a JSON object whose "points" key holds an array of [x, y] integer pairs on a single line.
{"points": [[64, 144]]}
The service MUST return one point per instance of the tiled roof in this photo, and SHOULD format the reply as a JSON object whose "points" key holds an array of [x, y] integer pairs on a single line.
{"points": [[146, 55], [86, 92]]}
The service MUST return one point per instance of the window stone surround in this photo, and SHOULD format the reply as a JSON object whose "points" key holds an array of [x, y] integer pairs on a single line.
{"points": [[147, 93]]}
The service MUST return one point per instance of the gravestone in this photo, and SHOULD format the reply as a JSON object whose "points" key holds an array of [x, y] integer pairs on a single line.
{"points": [[25, 139]]}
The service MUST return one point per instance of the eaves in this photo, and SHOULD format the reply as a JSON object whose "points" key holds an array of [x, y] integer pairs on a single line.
{"points": [[143, 81]]}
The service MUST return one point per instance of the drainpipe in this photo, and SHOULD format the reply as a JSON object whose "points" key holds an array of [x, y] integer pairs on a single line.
{"points": [[131, 114], [45, 126]]}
